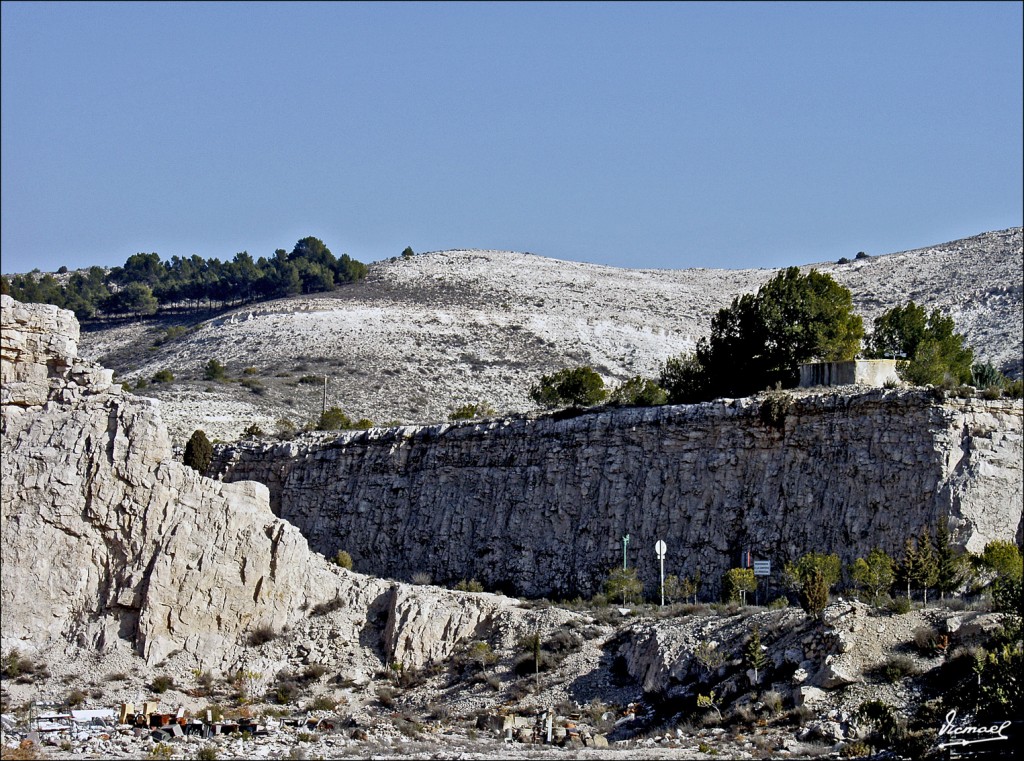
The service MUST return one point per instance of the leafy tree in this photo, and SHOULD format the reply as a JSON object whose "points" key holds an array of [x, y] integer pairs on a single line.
{"points": [[1004, 558], [163, 376], [760, 340], [684, 379], [575, 387], [408, 253], [932, 351], [624, 583], [737, 582], [215, 371], [134, 297], [198, 451], [874, 574], [638, 392], [814, 592], [813, 575]]}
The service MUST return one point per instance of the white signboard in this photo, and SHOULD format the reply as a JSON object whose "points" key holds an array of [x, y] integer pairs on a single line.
{"points": [[762, 568], [660, 548]]}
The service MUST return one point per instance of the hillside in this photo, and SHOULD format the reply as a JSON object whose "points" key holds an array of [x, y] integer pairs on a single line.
{"points": [[421, 336]]}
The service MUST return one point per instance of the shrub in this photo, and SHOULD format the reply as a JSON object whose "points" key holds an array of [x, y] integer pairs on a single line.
{"points": [[898, 667], [261, 635], [639, 392], [198, 451], [163, 376], [472, 411], [322, 703], [775, 407], [386, 697], [162, 683], [899, 605], [207, 753], [215, 371], [311, 379], [343, 560], [576, 387], [254, 385], [421, 578], [469, 586], [928, 640], [75, 698], [333, 419], [250, 371], [330, 606]]}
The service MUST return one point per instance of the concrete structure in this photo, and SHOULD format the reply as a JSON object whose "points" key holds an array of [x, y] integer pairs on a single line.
{"points": [[859, 372]]}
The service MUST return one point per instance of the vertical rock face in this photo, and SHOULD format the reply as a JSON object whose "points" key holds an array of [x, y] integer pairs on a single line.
{"points": [[541, 506]]}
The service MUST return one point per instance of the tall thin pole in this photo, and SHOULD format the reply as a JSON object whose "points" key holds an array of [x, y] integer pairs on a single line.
{"points": [[661, 557], [324, 410], [625, 541]]}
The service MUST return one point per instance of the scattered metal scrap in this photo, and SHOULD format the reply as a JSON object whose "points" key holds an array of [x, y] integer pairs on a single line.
{"points": [[543, 727]]}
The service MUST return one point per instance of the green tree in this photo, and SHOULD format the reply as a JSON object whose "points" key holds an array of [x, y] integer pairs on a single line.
{"points": [[949, 562], [198, 451], [638, 392], [1004, 558], [987, 376], [874, 574], [163, 376], [908, 569], [737, 582], [760, 340], [408, 253], [931, 349], [812, 576], [136, 298], [814, 592], [927, 564], [684, 379], [575, 387], [623, 583], [754, 654]]}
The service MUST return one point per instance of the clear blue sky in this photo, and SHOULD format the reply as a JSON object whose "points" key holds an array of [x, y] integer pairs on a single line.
{"points": [[638, 135]]}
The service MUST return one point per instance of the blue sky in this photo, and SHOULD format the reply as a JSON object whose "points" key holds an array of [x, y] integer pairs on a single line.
{"points": [[636, 135]]}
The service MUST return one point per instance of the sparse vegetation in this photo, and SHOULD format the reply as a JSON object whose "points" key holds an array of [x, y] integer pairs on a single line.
{"points": [[198, 452]]}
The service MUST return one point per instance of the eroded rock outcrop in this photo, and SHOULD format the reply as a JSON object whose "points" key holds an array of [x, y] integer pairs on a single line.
{"points": [[541, 506], [105, 536]]}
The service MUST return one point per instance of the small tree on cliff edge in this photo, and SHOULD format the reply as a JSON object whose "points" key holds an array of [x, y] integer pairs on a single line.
{"points": [[198, 452]]}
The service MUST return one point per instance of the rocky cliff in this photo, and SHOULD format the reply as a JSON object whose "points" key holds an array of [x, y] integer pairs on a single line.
{"points": [[541, 507], [106, 538]]}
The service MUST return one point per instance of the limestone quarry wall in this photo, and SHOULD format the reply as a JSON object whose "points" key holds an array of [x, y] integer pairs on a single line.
{"points": [[540, 507]]}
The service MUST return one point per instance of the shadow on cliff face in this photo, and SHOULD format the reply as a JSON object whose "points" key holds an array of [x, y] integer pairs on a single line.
{"points": [[371, 636]]}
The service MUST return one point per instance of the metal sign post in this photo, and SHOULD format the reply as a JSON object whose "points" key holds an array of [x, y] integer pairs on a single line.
{"points": [[761, 568], [659, 549], [625, 541]]}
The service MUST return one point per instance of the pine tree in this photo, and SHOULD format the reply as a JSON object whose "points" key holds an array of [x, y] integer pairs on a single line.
{"points": [[754, 655], [950, 563], [928, 566], [907, 570]]}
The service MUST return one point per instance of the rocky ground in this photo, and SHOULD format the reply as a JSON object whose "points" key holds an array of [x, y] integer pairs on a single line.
{"points": [[423, 336], [627, 680]]}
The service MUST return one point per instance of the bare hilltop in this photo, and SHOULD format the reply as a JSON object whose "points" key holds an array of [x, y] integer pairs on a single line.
{"points": [[423, 335]]}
